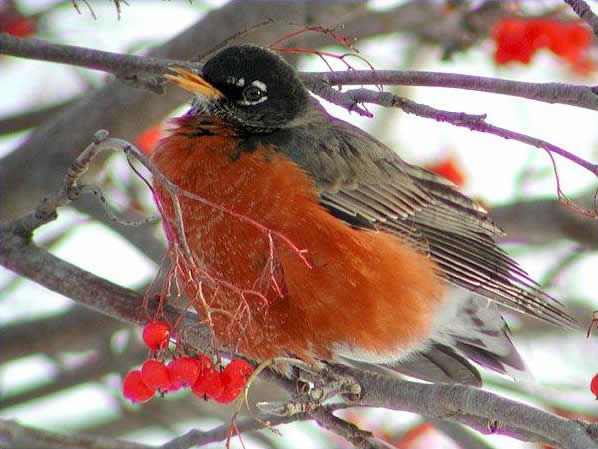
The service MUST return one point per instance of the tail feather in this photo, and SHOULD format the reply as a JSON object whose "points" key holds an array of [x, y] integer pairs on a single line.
{"points": [[473, 331]]}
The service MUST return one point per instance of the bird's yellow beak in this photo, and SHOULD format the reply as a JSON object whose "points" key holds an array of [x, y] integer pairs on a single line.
{"points": [[193, 83]]}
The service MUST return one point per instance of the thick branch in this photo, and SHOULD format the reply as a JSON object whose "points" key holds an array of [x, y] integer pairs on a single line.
{"points": [[18, 254], [459, 401], [30, 119], [67, 378], [74, 330]]}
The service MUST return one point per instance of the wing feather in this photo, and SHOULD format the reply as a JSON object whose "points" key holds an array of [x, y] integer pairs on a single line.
{"points": [[364, 183]]}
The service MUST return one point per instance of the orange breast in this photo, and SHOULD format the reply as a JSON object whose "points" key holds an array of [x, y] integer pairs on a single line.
{"points": [[361, 291]]}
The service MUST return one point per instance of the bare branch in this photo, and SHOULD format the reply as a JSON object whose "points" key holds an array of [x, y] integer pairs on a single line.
{"points": [[473, 122], [15, 435], [539, 221], [116, 63], [73, 330], [30, 119], [583, 10], [129, 65], [456, 402], [561, 93], [350, 432], [459, 434], [67, 378]]}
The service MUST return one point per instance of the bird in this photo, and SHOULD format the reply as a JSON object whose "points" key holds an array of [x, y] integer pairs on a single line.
{"points": [[312, 239]]}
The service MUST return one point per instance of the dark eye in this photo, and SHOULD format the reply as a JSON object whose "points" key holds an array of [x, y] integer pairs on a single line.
{"points": [[252, 93]]}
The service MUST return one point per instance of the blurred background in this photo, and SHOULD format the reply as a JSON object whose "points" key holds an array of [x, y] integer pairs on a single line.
{"points": [[61, 364]]}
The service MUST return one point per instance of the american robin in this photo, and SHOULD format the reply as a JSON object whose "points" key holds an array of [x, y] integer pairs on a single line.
{"points": [[316, 241]]}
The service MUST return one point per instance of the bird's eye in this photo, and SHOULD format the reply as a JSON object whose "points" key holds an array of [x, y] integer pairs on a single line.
{"points": [[253, 94]]}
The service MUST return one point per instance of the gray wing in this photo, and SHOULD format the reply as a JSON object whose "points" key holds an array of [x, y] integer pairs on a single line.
{"points": [[362, 182]]}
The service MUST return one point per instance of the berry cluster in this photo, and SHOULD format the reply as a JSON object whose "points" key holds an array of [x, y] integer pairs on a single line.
{"points": [[15, 23], [519, 39], [198, 373]]}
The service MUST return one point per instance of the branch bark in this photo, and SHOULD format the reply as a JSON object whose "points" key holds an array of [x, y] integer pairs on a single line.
{"points": [[583, 10], [479, 409], [54, 144]]}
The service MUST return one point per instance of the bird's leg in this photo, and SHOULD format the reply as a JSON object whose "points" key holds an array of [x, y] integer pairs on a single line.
{"points": [[334, 380], [317, 383]]}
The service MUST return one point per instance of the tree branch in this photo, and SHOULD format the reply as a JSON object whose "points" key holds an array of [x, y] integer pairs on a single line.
{"points": [[18, 436], [30, 119], [478, 123], [456, 402], [554, 93], [53, 145], [116, 63], [129, 65], [583, 10], [539, 221]]}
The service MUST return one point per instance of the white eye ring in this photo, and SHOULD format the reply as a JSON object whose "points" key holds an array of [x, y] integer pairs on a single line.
{"points": [[254, 94]]}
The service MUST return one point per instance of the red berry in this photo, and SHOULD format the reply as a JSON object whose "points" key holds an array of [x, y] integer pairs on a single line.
{"points": [[156, 334], [515, 41], [205, 363], [228, 395], [155, 374], [209, 385], [184, 371], [237, 372], [234, 378], [174, 386], [20, 26], [134, 389], [594, 386]]}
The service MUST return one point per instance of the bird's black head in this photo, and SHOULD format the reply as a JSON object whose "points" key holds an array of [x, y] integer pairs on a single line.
{"points": [[249, 86]]}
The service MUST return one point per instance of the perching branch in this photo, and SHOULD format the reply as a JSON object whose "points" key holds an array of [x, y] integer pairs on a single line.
{"points": [[479, 409]]}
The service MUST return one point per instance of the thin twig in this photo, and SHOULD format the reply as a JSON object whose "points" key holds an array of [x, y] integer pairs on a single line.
{"points": [[460, 119]]}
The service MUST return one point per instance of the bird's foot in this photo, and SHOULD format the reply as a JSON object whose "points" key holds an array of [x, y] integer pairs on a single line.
{"points": [[332, 381], [316, 383]]}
